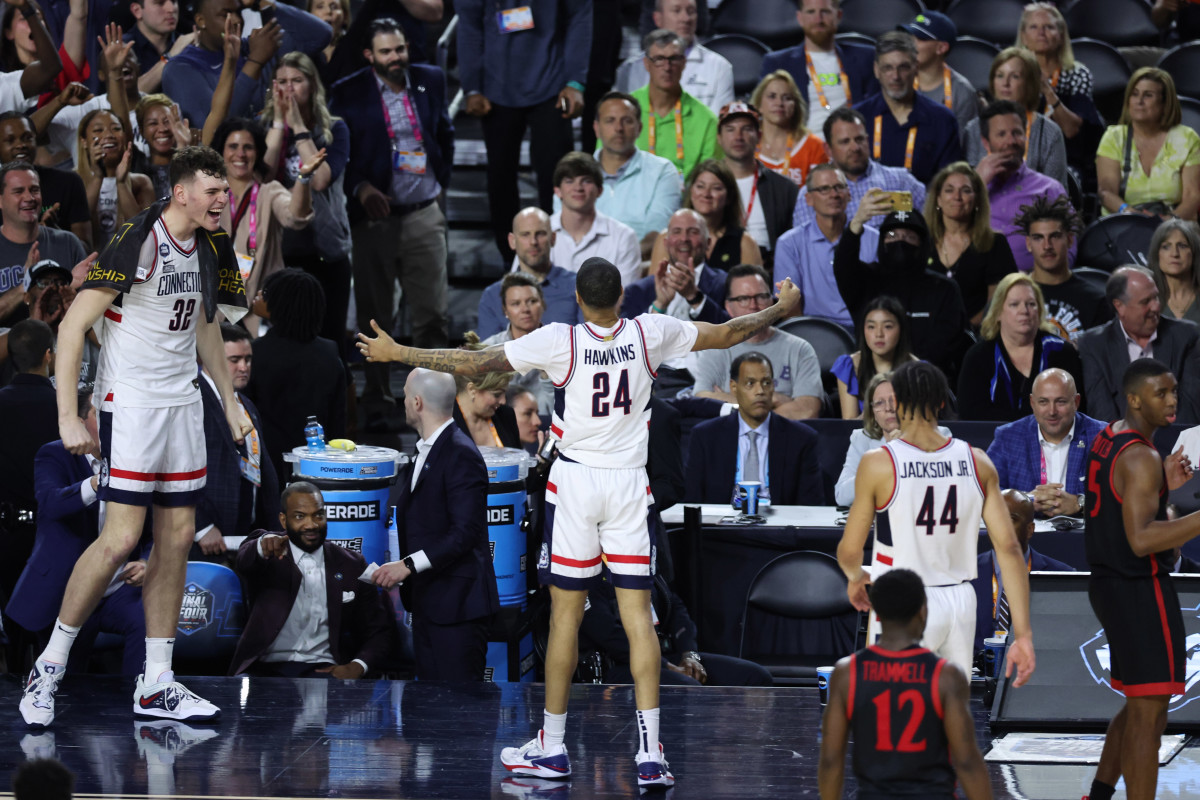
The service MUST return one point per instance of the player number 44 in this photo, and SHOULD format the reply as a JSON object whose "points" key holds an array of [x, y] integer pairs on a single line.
{"points": [[949, 516]]}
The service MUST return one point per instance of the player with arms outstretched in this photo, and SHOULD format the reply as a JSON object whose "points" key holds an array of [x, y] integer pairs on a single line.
{"points": [[598, 496]]}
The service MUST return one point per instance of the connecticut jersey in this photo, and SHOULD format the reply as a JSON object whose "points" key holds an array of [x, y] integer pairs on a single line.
{"points": [[930, 524], [148, 334], [602, 380]]}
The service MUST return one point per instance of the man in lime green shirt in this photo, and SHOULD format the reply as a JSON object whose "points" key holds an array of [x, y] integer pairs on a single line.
{"points": [[676, 126]]}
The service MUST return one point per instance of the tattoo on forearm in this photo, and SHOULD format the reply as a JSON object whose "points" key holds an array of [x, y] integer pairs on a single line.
{"points": [[745, 327], [460, 362]]}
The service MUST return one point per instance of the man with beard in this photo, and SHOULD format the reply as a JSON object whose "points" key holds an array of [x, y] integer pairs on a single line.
{"points": [[310, 615]]}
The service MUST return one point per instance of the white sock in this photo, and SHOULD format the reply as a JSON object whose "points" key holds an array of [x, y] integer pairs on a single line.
{"points": [[158, 660], [647, 721], [61, 639], [554, 727]]}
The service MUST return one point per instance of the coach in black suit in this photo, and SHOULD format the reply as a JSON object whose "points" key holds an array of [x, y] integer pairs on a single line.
{"points": [[447, 578], [720, 454], [1137, 325]]}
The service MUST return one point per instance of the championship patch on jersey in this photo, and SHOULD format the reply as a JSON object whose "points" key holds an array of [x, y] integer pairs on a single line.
{"points": [[544, 557], [104, 472], [1097, 658]]}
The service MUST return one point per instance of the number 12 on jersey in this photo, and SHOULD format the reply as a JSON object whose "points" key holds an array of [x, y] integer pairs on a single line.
{"points": [[601, 386], [948, 517]]}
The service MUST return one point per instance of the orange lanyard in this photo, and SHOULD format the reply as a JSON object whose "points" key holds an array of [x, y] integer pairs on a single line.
{"points": [[753, 192], [947, 99], [1054, 78], [996, 586], [495, 434], [812, 74], [1028, 132], [678, 131], [908, 148]]}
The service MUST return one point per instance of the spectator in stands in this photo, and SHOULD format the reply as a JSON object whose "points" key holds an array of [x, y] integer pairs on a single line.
{"points": [[798, 389], [1019, 342], [908, 129], [67, 522], [678, 127], [296, 373], [1044, 455], [309, 614], [787, 146], [1149, 162], [21, 46], [932, 301], [1015, 78], [30, 69], [580, 231], [105, 156], [1065, 85], [769, 198], [935, 35], [165, 131], [1172, 256], [523, 304], [533, 240], [965, 247], [712, 192], [154, 39], [258, 212], [1138, 330], [525, 406], [1184, 14], [830, 75], [850, 151], [525, 68], [299, 126], [335, 14], [683, 283], [641, 189], [64, 202], [883, 336], [479, 408], [399, 165], [241, 491], [992, 616], [880, 423], [754, 445], [1011, 183], [190, 78], [805, 253], [707, 76], [1072, 303]]}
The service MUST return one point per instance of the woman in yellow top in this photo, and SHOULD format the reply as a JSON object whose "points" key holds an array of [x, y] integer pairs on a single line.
{"points": [[1157, 172], [787, 146]]}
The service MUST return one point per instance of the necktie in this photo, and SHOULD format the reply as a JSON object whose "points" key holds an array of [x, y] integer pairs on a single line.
{"points": [[751, 470], [1003, 615]]}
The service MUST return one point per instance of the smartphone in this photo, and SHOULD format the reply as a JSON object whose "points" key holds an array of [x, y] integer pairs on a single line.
{"points": [[900, 201]]}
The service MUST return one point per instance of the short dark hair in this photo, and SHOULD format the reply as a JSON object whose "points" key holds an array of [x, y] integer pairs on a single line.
{"points": [[514, 279], [577, 164], [187, 161], [14, 166], [298, 487], [921, 388], [28, 342], [383, 25], [753, 357], [43, 779], [1139, 371], [842, 114], [234, 333], [999, 108], [598, 283], [896, 42], [257, 133], [745, 271], [615, 95], [898, 595], [296, 303], [1043, 209], [7, 115], [83, 398]]}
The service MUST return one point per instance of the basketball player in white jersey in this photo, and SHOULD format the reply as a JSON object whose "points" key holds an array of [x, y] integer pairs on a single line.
{"points": [[151, 423], [926, 493], [598, 496]]}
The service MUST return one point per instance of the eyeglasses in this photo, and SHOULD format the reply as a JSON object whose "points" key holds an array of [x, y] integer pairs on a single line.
{"points": [[674, 61], [833, 187], [883, 405], [46, 283], [747, 299]]}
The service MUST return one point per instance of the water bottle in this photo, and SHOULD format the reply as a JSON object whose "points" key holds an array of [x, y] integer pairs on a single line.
{"points": [[314, 434]]}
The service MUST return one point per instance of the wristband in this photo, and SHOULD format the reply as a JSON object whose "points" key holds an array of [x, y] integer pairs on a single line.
{"points": [[576, 85], [300, 137], [1123, 208], [656, 309], [305, 179], [278, 126]]}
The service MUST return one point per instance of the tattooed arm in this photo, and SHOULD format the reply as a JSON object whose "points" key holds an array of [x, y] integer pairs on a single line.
{"points": [[458, 362], [739, 329]]}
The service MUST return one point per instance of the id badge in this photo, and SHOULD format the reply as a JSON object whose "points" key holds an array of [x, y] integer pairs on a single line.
{"points": [[407, 161], [251, 465], [511, 20], [245, 265]]}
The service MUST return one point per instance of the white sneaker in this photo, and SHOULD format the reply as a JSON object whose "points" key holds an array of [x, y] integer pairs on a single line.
{"points": [[171, 700], [161, 740], [653, 769], [37, 701], [536, 760]]}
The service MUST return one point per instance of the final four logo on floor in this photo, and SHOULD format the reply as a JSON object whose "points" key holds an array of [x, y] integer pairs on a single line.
{"points": [[1097, 658], [196, 613]]}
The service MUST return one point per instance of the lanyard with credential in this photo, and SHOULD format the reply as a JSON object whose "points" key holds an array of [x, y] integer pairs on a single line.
{"points": [[947, 99], [249, 203], [997, 585], [653, 133], [412, 121], [908, 148], [843, 78], [753, 193]]}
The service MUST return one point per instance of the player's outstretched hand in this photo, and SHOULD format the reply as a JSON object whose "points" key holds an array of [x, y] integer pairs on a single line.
{"points": [[856, 590], [379, 348], [274, 545], [1020, 655], [75, 437], [789, 294], [1178, 468]]}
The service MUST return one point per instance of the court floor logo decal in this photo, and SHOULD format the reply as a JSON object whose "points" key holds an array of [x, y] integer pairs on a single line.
{"points": [[1096, 657]]}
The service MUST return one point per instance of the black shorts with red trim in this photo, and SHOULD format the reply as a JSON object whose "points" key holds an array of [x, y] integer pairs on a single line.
{"points": [[1144, 627]]}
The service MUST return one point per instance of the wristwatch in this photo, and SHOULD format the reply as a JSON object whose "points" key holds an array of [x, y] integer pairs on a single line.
{"points": [[412, 567], [1081, 498]]}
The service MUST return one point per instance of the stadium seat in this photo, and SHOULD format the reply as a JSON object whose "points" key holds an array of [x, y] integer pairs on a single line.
{"points": [[1096, 277], [1121, 23], [973, 58], [829, 339], [746, 54], [993, 21], [1183, 62], [772, 22], [850, 37], [1110, 74], [1191, 112], [876, 17], [1116, 240]]}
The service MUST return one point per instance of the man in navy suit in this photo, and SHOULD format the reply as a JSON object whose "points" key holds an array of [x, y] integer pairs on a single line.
{"points": [[402, 148], [991, 608], [447, 578], [754, 445], [68, 521], [839, 75]]}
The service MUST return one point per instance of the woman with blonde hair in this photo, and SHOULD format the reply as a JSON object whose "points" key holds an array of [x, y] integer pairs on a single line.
{"points": [[165, 131], [1019, 342], [786, 146], [481, 410]]}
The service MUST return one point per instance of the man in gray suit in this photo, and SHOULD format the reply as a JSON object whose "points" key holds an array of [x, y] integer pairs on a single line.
{"points": [[1138, 330]]}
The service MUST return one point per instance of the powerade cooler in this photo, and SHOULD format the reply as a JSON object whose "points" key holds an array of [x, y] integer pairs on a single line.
{"points": [[510, 649]]}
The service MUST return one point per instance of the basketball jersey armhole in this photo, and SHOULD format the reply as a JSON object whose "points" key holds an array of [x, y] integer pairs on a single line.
{"points": [[935, 689], [975, 472], [850, 690], [571, 366], [645, 350], [895, 481], [1113, 468]]}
